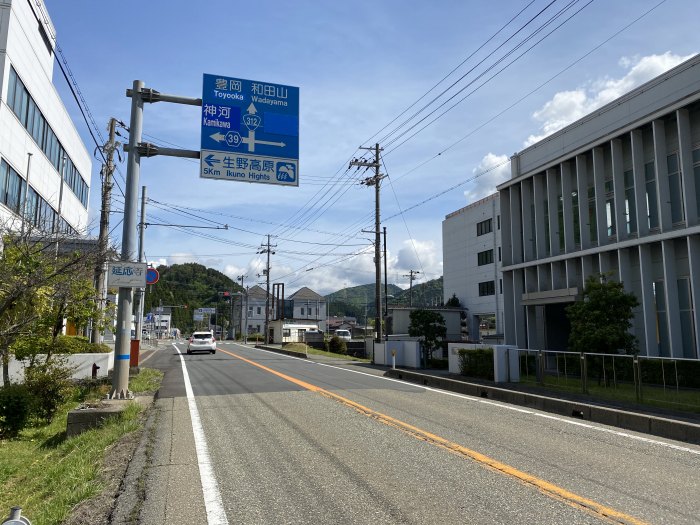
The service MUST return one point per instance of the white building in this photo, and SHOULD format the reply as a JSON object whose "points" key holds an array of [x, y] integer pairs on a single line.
{"points": [[308, 307], [255, 304], [617, 191], [34, 124], [471, 258]]}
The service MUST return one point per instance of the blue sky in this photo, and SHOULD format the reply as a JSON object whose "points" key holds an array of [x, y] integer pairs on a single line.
{"points": [[358, 65]]}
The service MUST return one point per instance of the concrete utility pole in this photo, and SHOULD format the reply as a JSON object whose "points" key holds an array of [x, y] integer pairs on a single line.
{"points": [[122, 345], [411, 277], [386, 291], [141, 293], [103, 239], [267, 248], [375, 181], [241, 278]]}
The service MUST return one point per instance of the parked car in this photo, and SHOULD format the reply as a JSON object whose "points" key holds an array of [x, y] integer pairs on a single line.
{"points": [[343, 335], [201, 342]]}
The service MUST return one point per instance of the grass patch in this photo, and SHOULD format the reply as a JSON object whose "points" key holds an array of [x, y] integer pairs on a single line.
{"points": [[315, 351], [684, 399], [47, 474], [295, 347], [148, 380]]}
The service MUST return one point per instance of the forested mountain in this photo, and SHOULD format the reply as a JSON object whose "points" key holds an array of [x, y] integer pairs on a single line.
{"points": [[351, 301], [185, 287]]}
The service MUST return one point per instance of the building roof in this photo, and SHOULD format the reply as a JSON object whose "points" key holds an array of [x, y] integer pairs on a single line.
{"points": [[306, 293], [257, 292]]}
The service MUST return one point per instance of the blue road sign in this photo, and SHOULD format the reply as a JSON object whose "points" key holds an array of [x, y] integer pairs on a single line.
{"points": [[250, 131]]}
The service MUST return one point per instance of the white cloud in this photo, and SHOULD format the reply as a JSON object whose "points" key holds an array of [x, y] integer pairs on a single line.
{"points": [[495, 169], [566, 107], [418, 255]]}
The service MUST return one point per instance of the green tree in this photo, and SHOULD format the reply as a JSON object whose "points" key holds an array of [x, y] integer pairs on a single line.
{"points": [[39, 275], [602, 320], [453, 302], [430, 327]]}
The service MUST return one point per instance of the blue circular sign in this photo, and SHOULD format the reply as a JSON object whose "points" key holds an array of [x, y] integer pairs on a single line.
{"points": [[152, 276]]}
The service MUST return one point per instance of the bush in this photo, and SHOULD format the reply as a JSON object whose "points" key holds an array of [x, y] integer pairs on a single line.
{"points": [[16, 405], [29, 347], [476, 363], [66, 344], [337, 345], [50, 385]]}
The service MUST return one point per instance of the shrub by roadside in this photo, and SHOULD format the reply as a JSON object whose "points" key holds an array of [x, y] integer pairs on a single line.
{"points": [[48, 474]]}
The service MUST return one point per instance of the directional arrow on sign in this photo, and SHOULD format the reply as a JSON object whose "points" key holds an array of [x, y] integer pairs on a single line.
{"points": [[252, 109], [211, 160], [250, 140], [218, 137]]}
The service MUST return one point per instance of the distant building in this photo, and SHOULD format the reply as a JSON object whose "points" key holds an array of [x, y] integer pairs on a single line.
{"points": [[44, 166], [471, 256], [616, 192], [308, 307], [400, 319], [255, 315]]}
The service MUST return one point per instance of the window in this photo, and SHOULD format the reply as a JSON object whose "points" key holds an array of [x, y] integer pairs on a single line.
{"points": [[675, 185], [258, 310], [498, 222], [500, 286], [696, 174], [577, 225], [592, 219], [487, 288], [484, 227], [685, 304], [610, 208], [630, 203], [286, 332], [29, 114], [13, 188], [485, 257], [650, 188], [302, 310], [662, 338], [499, 254]]}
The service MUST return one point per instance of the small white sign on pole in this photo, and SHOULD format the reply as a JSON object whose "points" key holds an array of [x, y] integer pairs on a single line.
{"points": [[126, 274]]}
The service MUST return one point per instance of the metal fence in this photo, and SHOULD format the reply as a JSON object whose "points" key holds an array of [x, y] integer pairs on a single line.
{"points": [[659, 381]]}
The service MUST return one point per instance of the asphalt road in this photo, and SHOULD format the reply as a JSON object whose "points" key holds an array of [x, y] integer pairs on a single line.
{"points": [[283, 440]]}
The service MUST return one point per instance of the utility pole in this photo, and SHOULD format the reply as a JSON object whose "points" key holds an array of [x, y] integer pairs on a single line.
{"points": [[386, 291], [141, 293], [240, 278], [411, 277], [103, 239], [267, 248], [120, 378], [375, 181]]}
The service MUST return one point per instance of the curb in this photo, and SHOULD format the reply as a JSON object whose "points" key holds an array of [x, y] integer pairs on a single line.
{"points": [[639, 422]]}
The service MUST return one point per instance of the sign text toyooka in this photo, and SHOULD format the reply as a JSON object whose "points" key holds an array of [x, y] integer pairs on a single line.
{"points": [[250, 131]]}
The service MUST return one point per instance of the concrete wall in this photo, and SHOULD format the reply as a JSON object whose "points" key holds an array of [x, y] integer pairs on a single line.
{"points": [[82, 364]]}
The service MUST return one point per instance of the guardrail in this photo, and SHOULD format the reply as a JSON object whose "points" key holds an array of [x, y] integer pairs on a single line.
{"points": [[660, 381]]}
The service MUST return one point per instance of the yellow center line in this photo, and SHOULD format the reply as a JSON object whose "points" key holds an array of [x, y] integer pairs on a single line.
{"points": [[549, 489]]}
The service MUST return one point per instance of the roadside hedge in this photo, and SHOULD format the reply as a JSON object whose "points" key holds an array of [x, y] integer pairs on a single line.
{"points": [[476, 363]]}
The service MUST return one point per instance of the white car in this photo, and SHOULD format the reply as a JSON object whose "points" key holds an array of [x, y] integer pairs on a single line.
{"points": [[201, 342], [344, 335]]}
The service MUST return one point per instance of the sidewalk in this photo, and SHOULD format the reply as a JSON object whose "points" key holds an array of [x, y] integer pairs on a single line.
{"points": [[681, 426]]}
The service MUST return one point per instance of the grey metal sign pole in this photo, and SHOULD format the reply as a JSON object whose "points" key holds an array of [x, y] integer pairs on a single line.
{"points": [[122, 346]]}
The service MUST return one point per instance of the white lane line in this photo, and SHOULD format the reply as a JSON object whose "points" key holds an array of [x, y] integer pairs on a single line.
{"points": [[210, 489], [504, 406]]}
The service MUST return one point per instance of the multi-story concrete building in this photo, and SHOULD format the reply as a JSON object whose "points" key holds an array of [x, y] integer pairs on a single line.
{"points": [[44, 165], [471, 258], [617, 191]]}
